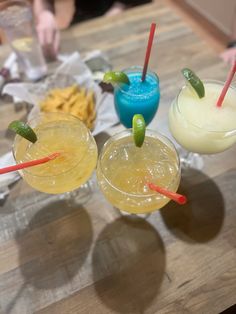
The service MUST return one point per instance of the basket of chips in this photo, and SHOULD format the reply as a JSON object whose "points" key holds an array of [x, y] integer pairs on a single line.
{"points": [[73, 99], [70, 89]]}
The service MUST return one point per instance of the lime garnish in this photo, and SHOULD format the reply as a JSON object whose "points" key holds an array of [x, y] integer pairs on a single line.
{"points": [[139, 128], [116, 78], [194, 82], [23, 44], [23, 130]]}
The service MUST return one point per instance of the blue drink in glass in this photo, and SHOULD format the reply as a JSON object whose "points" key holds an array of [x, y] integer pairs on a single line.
{"points": [[138, 97]]}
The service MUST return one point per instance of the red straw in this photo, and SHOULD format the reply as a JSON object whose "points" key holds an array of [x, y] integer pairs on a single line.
{"points": [[148, 51], [29, 163], [227, 84], [178, 198]]}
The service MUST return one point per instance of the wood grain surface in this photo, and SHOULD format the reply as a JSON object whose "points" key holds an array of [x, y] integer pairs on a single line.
{"points": [[59, 257]]}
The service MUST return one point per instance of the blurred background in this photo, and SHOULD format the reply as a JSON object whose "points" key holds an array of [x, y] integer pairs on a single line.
{"points": [[213, 18]]}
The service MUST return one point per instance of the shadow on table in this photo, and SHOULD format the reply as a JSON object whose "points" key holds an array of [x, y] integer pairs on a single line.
{"points": [[128, 265], [201, 219], [7, 204], [101, 138], [54, 245]]}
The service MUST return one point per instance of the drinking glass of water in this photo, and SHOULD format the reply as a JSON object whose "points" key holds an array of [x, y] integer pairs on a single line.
{"points": [[16, 19]]}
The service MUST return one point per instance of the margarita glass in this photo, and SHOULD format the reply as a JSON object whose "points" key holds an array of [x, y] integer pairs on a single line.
{"points": [[198, 125], [138, 97], [124, 170], [63, 133]]}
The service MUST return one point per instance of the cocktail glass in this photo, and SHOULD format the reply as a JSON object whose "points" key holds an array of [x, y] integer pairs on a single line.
{"points": [[16, 19], [199, 126], [58, 132], [138, 97], [124, 170]]}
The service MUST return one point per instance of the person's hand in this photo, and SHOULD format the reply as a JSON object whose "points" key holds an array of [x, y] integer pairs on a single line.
{"points": [[48, 33], [229, 55]]}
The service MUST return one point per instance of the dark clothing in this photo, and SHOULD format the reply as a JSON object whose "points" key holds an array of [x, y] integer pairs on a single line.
{"points": [[87, 9]]}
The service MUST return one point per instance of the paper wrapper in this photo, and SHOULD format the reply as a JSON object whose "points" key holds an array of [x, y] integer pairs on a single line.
{"points": [[71, 71]]}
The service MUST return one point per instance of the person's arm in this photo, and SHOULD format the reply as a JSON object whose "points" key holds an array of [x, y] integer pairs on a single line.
{"points": [[47, 28], [229, 55], [42, 5]]}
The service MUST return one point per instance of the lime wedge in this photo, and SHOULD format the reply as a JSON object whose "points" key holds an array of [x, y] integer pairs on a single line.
{"points": [[23, 130], [194, 82], [116, 78], [139, 128], [23, 44]]}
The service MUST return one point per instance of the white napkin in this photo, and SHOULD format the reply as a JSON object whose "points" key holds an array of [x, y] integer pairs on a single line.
{"points": [[8, 178], [74, 68]]}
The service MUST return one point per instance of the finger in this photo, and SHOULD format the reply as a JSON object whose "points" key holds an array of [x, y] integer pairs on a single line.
{"points": [[52, 48], [41, 36], [56, 42], [232, 60], [49, 36]]}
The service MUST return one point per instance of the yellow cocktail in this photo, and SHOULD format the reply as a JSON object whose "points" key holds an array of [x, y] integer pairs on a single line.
{"points": [[58, 132], [124, 170]]}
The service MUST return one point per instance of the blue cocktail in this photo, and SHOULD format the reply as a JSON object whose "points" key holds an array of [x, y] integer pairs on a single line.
{"points": [[138, 97]]}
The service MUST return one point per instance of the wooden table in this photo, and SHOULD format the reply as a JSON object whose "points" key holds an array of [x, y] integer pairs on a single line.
{"points": [[56, 258]]}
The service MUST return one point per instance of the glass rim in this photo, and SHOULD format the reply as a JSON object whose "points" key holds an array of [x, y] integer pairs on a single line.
{"points": [[140, 69], [207, 81], [89, 137], [127, 133]]}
